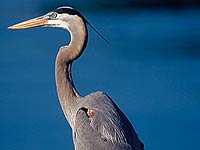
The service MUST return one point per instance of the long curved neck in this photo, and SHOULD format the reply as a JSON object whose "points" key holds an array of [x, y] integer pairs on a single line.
{"points": [[67, 94]]}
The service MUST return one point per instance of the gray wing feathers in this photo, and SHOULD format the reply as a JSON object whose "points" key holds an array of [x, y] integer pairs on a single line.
{"points": [[87, 138], [109, 126]]}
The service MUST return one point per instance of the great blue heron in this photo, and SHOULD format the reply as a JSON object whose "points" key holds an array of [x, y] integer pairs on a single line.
{"points": [[96, 121]]}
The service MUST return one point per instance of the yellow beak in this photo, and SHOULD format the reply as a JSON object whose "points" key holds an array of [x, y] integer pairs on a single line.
{"points": [[36, 22]]}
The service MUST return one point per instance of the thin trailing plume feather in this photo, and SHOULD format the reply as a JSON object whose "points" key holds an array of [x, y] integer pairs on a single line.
{"points": [[98, 32]]}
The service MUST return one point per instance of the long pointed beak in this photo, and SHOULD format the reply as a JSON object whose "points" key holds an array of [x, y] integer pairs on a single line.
{"points": [[36, 22]]}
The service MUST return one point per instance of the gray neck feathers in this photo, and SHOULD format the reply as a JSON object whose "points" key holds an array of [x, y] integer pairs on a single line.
{"points": [[67, 94]]}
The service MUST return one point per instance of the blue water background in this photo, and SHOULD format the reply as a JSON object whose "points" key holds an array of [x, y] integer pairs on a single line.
{"points": [[151, 70]]}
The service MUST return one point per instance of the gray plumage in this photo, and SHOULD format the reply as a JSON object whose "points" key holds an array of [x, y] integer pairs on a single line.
{"points": [[107, 127]]}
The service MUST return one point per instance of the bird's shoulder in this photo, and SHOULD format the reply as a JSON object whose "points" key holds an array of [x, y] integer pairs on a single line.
{"points": [[109, 120], [101, 102], [98, 97], [86, 137]]}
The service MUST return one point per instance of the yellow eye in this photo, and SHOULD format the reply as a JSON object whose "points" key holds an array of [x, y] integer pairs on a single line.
{"points": [[54, 15]]}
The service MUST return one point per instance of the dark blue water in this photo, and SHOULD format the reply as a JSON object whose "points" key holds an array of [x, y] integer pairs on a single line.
{"points": [[151, 70]]}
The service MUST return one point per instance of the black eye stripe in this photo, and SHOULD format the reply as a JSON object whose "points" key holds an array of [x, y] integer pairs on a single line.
{"points": [[69, 11], [66, 10]]}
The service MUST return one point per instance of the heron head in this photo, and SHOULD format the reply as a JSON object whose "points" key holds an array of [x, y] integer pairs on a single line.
{"points": [[62, 17]]}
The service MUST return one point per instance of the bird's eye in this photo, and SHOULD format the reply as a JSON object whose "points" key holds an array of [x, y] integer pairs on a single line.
{"points": [[54, 15]]}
